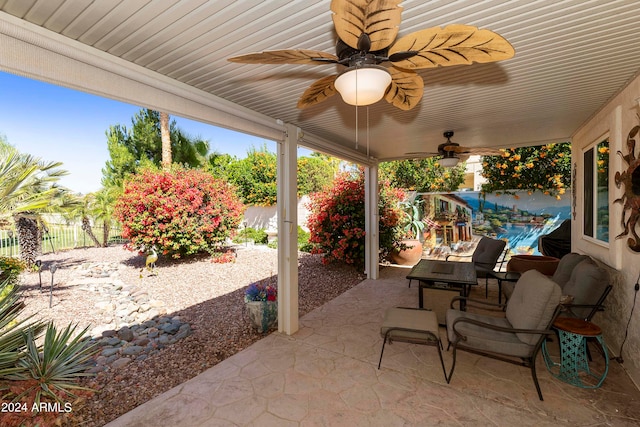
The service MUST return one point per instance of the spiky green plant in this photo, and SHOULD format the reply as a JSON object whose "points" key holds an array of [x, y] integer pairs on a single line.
{"points": [[57, 366], [12, 343]]}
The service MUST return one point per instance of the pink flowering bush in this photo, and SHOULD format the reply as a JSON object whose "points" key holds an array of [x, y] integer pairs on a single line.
{"points": [[336, 220], [182, 211]]}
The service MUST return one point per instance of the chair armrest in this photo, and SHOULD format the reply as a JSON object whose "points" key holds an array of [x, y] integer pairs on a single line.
{"points": [[497, 328], [568, 308], [478, 303], [457, 256]]}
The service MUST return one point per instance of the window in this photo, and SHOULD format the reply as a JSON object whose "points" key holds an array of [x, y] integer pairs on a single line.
{"points": [[596, 191]]}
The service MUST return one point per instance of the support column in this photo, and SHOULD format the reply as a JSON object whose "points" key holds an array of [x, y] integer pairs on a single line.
{"points": [[372, 238], [288, 231]]}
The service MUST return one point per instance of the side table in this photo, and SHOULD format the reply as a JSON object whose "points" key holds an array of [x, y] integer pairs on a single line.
{"points": [[574, 362], [505, 276]]}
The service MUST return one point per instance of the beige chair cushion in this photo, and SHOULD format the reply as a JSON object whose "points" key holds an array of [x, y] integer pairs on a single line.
{"points": [[586, 285], [421, 325], [532, 304]]}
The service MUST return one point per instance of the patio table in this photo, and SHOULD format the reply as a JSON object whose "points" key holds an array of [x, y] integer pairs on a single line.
{"points": [[440, 279]]}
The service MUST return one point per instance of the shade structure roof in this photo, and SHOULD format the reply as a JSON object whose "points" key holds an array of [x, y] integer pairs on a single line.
{"points": [[571, 57]]}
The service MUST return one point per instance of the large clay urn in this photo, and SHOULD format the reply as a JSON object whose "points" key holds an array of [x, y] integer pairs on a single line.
{"points": [[409, 256]]}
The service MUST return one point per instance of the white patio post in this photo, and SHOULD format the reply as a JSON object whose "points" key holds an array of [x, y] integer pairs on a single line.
{"points": [[372, 238], [288, 231]]}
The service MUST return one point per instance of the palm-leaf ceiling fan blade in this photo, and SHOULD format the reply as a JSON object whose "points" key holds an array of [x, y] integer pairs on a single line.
{"points": [[480, 151], [452, 45], [405, 90], [288, 56], [318, 92], [367, 25]]}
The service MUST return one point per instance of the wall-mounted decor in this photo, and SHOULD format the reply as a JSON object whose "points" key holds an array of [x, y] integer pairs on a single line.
{"points": [[630, 178]]}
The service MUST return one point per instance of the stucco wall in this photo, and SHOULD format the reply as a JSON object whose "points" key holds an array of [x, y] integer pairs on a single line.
{"points": [[614, 121], [267, 216]]}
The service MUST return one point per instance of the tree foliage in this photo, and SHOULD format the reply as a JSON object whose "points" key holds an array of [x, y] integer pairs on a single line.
{"points": [[422, 175], [545, 168], [255, 175], [181, 211], [141, 146], [336, 219]]}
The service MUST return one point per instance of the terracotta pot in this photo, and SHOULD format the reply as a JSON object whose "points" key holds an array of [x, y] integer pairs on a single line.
{"points": [[409, 256], [544, 264]]}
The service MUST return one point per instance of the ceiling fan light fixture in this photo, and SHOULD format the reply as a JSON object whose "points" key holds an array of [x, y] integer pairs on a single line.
{"points": [[363, 85], [449, 161]]}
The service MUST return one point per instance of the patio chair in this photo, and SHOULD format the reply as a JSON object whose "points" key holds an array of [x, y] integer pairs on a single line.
{"points": [[585, 283], [485, 258], [515, 338]]}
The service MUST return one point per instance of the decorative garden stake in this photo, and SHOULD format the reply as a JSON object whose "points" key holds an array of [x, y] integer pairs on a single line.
{"points": [[39, 266], [53, 269]]}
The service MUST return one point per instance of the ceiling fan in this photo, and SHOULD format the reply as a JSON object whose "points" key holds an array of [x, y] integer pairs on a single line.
{"points": [[367, 31], [451, 153]]}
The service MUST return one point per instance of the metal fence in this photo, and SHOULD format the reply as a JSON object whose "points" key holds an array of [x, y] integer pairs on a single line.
{"points": [[59, 237]]}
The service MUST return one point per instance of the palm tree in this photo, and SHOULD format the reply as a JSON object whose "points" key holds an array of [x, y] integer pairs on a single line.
{"points": [[27, 187], [80, 208], [102, 210], [166, 140]]}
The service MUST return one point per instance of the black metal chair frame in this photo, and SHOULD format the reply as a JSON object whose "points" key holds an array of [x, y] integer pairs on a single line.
{"points": [[431, 339], [529, 361], [501, 259]]}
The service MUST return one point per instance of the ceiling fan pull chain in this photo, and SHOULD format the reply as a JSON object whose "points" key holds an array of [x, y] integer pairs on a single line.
{"points": [[356, 127], [356, 109], [367, 131]]}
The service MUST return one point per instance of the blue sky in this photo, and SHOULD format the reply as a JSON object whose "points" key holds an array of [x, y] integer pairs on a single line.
{"points": [[68, 126]]}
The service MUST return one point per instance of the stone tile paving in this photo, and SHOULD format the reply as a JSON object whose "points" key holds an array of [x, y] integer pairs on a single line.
{"points": [[326, 374]]}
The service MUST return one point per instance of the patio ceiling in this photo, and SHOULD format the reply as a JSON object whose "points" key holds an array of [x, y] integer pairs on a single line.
{"points": [[571, 57]]}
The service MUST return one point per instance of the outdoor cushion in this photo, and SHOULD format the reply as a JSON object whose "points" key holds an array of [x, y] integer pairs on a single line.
{"points": [[487, 253], [415, 324], [532, 304], [586, 285], [566, 266], [486, 339]]}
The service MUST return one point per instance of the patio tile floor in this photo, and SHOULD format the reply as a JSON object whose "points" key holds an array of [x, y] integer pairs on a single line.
{"points": [[326, 374]]}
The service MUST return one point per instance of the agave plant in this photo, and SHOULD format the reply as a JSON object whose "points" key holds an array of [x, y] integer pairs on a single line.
{"points": [[56, 366], [413, 224], [12, 331]]}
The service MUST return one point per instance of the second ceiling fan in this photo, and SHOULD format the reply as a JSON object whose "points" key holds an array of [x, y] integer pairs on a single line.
{"points": [[367, 31], [451, 153]]}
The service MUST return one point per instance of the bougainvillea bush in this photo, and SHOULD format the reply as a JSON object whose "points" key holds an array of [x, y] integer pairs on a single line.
{"points": [[336, 219], [181, 211]]}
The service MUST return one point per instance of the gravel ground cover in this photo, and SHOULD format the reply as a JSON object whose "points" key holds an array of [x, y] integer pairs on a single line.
{"points": [[209, 296]]}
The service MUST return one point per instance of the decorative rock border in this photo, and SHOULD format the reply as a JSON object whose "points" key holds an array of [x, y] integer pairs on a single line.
{"points": [[118, 348], [134, 326]]}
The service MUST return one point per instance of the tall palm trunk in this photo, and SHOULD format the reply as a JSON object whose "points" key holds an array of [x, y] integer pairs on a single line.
{"points": [[86, 227], [166, 141], [105, 234], [29, 239]]}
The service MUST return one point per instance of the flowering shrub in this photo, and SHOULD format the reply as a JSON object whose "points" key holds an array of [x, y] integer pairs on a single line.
{"points": [[336, 219], [261, 291], [223, 256], [545, 168], [181, 211], [10, 269]]}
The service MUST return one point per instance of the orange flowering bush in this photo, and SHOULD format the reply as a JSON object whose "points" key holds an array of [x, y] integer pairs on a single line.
{"points": [[545, 168], [336, 220]]}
